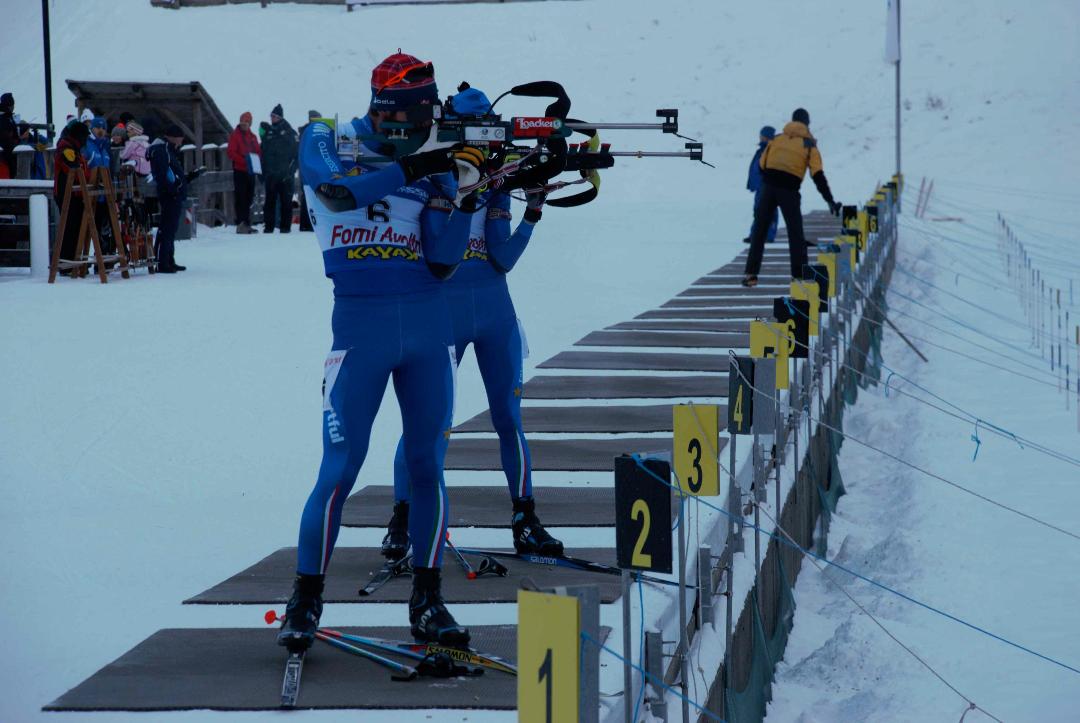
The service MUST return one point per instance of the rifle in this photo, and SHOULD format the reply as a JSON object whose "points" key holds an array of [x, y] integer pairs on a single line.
{"points": [[524, 152]]}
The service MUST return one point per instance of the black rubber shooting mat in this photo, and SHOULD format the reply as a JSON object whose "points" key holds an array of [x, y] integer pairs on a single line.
{"points": [[599, 419], [651, 361], [241, 669], [625, 387], [734, 292], [269, 581], [700, 313], [689, 339], [553, 455], [749, 305], [476, 506], [732, 284], [718, 325]]}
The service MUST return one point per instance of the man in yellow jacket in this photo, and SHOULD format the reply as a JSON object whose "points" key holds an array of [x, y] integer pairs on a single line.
{"points": [[783, 165]]}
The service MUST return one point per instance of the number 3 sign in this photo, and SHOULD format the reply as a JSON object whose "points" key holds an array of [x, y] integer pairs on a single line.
{"points": [[697, 429]]}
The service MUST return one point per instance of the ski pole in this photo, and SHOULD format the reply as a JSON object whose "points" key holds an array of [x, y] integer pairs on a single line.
{"points": [[422, 651], [402, 672], [470, 573]]}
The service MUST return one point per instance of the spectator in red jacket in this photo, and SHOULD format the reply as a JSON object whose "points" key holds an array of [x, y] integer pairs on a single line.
{"points": [[69, 159], [246, 159]]}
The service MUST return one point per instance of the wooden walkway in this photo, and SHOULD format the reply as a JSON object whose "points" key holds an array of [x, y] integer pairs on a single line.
{"points": [[690, 335]]}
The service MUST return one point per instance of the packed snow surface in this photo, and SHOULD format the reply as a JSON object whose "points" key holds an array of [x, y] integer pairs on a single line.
{"points": [[157, 435]]}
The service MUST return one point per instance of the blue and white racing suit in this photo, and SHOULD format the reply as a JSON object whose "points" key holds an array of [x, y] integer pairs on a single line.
{"points": [[484, 316], [390, 320]]}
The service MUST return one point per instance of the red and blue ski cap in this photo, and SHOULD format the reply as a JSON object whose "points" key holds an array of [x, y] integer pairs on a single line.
{"points": [[402, 81]]}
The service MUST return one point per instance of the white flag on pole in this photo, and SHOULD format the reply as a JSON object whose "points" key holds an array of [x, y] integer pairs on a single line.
{"points": [[892, 32]]}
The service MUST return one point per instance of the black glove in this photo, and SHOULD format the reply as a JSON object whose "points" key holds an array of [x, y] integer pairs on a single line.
{"points": [[336, 198], [428, 163], [534, 204], [469, 203], [834, 208], [195, 174]]}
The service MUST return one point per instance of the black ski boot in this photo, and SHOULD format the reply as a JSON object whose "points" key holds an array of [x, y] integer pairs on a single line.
{"points": [[396, 542], [529, 535], [431, 621], [302, 613]]}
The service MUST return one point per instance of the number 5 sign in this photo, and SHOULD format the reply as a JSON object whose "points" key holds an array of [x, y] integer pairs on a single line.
{"points": [[697, 429], [549, 657]]}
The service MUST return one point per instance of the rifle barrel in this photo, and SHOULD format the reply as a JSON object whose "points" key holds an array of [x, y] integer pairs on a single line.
{"points": [[654, 154], [617, 126]]}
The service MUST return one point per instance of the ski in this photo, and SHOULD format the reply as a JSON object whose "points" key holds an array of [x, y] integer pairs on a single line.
{"points": [[420, 651], [290, 684], [572, 563], [389, 570]]}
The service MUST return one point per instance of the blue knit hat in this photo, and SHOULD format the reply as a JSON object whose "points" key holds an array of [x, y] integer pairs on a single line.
{"points": [[98, 122], [768, 131], [469, 102]]}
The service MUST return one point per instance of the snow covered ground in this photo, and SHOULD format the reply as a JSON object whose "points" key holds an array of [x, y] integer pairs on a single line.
{"points": [[159, 434]]}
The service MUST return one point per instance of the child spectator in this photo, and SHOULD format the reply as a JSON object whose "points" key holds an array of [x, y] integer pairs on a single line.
{"points": [[134, 153]]}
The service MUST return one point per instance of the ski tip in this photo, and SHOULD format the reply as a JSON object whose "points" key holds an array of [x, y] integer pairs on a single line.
{"points": [[271, 617], [471, 575]]}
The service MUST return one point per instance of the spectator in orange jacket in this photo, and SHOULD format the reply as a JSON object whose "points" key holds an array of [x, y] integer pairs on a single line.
{"points": [[243, 147]]}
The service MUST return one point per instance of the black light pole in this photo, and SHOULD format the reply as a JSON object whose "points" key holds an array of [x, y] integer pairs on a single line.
{"points": [[48, 67]]}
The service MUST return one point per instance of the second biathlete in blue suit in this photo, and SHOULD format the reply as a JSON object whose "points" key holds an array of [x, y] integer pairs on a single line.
{"points": [[483, 315]]}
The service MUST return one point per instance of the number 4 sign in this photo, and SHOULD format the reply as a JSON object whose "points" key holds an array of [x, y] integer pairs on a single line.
{"points": [[549, 657]]}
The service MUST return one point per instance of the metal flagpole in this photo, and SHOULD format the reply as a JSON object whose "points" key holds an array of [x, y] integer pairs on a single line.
{"points": [[48, 68], [898, 94]]}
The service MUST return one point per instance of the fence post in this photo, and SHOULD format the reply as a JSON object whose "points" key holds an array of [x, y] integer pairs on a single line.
{"points": [[654, 666], [39, 236]]}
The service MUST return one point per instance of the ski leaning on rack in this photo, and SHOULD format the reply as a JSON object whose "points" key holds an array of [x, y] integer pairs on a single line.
{"points": [[389, 570], [572, 563]]}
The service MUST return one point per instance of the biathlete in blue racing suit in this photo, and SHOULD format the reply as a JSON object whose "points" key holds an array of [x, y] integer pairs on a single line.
{"points": [[389, 236], [483, 315]]}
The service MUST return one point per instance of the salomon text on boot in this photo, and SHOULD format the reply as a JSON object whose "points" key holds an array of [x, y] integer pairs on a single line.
{"points": [[396, 541], [302, 613], [529, 535], [431, 621]]}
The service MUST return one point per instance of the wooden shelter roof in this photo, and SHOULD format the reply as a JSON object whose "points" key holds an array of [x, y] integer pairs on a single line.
{"points": [[186, 104]]}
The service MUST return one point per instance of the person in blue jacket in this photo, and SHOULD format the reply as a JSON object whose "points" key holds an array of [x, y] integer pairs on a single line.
{"points": [[483, 315], [96, 153], [390, 233], [754, 183]]}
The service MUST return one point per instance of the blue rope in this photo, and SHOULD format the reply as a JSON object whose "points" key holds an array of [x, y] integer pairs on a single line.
{"points": [[1061, 456], [705, 712], [864, 578], [891, 373], [976, 440]]}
